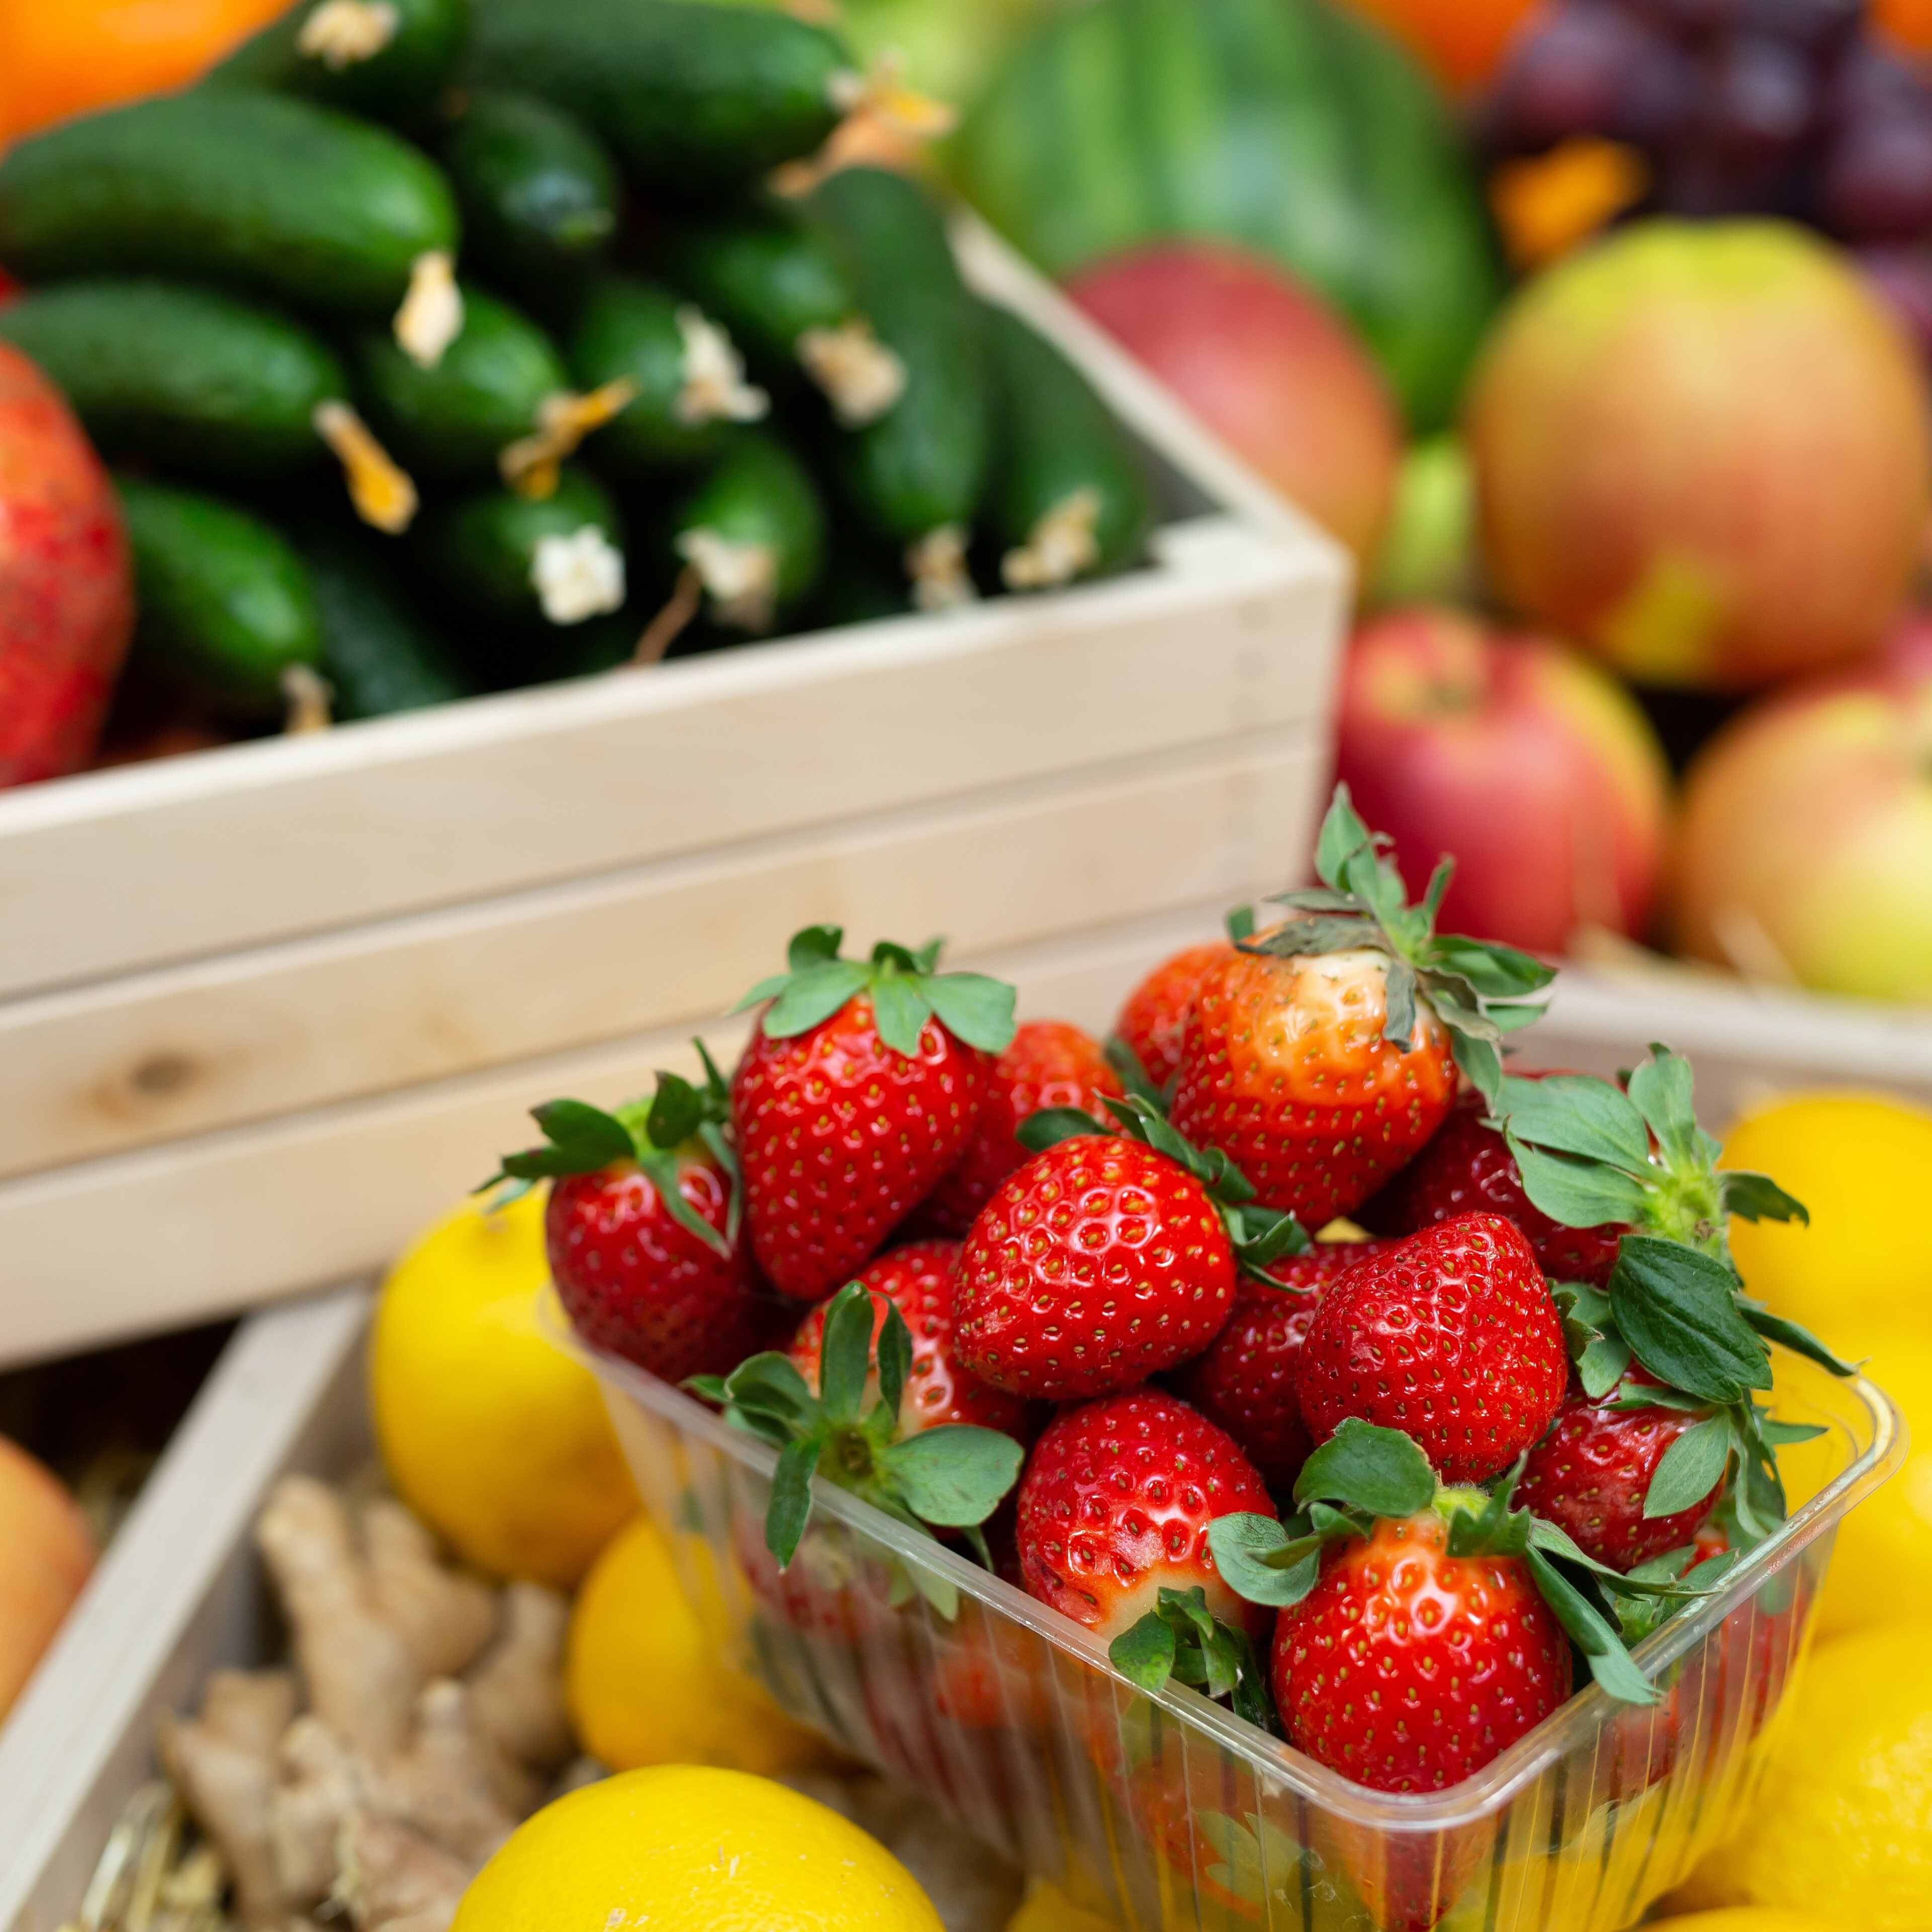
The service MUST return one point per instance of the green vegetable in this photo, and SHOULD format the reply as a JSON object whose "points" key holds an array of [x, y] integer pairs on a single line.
{"points": [[530, 563], [227, 608], [272, 194], [378, 652], [193, 379], [1070, 497], [379, 57], [754, 532]]}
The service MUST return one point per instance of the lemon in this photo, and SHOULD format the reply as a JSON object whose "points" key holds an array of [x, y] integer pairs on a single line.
{"points": [[488, 1430], [1843, 1824], [1744, 1918], [689, 1848], [1860, 1163], [1047, 1909], [645, 1682]]}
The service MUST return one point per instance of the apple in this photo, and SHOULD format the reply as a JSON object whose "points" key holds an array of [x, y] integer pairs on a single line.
{"points": [[1268, 367], [49, 1554], [1522, 758], [1804, 852], [1702, 449]]}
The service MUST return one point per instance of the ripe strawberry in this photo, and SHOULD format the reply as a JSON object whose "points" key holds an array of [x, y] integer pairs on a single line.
{"points": [[1114, 1506], [1048, 1064], [1468, 1165], [1245, 1381], [918, 1280], [1591, 1474], [858, 1090], [1451, 1336], [641, 1229], [1324, 1054], [1155, 1017]]}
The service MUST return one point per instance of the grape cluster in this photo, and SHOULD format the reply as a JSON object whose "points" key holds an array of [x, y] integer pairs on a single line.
{"points": [[1789, 107]]}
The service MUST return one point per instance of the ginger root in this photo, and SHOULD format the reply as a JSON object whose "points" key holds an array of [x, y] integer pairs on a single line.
{"points": [[444, 1785], [516, 1691], [445, 1618], [392, 1878]]}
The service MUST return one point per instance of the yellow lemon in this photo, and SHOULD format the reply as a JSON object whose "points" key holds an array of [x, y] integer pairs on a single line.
{"points": [[1860, 1163], [1045, 1908], [688, 1848], [645, 1682], [1746, 1918], [488, 1430], [1843, 1824]]}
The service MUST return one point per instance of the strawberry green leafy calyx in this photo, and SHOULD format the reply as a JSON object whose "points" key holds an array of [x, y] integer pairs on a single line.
{"points": [[905, 989], [1183, 1640], [950, 1477], [1479, 991]]}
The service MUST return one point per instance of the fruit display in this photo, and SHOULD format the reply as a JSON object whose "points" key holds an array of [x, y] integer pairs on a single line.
{"points": [[441, 349], [50, 1554]]}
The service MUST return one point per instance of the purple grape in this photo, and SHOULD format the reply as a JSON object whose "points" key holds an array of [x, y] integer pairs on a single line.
{"points": [[1877, 183], [1661, 97], [1689, 20], [1872, 82], [1904, 276], [1815, 26], [1569, 77], [1761, 103]]}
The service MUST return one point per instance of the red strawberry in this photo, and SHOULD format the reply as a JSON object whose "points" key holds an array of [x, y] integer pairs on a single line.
{"points": [[1155, 1016], [1245, 1381], [1115, 1504], [1049, 1064], [1451, 1336], [858, 1090], [1590, 1474], [919, 1278], [1469, 1165], [1099, 1264]]}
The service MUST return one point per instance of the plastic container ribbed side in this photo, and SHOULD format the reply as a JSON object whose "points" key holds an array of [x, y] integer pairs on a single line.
{"points": [[1171, 1815]]}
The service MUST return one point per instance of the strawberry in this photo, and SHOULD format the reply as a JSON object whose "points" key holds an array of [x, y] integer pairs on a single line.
{"points": [[1323, 1055], [1114, 1507], [642, 1229], [1048, 1064], [917, 1279], [1452, 1335], [859, 1090], [1155, 1017], [1245, 1380], [1468, 1165], [1592, 1474]]}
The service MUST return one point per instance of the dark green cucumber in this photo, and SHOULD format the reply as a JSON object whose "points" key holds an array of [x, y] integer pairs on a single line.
{"points": [[379, 57], [921, 467], [1070, 497], [483, 394], [510, 559], [378, 652], [754, 532], [193, 379], [635, 331], [276, 195], [693, 98], [227, 606], [539, 193]]}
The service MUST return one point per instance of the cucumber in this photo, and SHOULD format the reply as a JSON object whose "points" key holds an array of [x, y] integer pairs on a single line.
{"points": [[227, 607], [278, 196], [486, 391], [188, 377], [379, 57], [378, 653], [688, 375], [539, 194], [754, 532], [917, 474], [531, 564], [781, 287], [1070, 497], [695, 99]]}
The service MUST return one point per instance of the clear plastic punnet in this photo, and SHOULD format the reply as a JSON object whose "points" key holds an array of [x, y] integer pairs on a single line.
{"points": [[1166, 1813]]}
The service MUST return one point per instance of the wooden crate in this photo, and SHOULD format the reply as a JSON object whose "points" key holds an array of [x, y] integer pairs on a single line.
{"points": [[260, 1008]]}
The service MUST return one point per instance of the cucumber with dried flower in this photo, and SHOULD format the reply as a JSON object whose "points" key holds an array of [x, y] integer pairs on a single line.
{"points": [[695, 99], [540, 194], [687, 377], [529, 562], [379, 654], [754, 533], [379, 57], [1070, 497], [917, 474], [780, 285], [228, 608]]}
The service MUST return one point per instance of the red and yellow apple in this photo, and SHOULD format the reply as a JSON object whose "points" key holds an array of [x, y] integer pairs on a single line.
{"points": [[48, 1555], [1268, 367], [1702, 450], [1804, 851], [1522, 758]]}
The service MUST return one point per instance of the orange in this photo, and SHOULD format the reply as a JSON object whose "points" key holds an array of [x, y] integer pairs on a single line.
{"points": [[1908, 21], [1461, 42]]}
